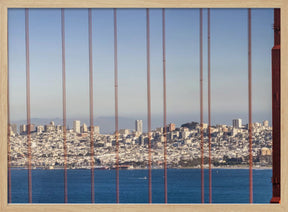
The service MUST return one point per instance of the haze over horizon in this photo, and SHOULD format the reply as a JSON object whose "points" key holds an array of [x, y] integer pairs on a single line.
{"points": [[107, 124]]}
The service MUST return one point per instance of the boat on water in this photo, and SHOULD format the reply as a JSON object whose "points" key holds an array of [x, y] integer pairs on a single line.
{"points": [[121, 167], [101, 167]]}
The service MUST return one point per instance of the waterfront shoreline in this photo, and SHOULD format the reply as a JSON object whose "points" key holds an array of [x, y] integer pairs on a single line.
{"points": [[223, 167]]}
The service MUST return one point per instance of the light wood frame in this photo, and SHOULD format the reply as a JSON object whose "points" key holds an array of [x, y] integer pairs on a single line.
{"points": [[5, 4]]}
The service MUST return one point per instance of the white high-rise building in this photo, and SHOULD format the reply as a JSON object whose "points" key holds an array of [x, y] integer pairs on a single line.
{"points": [[76, 126], [139, 126], [237, 123], [266, 123], [23, 128], [84, 128], [14, 128], [96, 129], [39, 129]]}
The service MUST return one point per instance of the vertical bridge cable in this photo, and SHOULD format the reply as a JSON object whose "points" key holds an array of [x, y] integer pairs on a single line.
{"points": [[201, 107], [64, 104], [91, 104], [9, 127], [209, 110], [164, 106], [149, 105], [116, 104], [28, 104], [276, 109], [250, 108]]}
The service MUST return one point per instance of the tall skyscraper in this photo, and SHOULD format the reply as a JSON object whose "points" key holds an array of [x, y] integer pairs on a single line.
{"points": [[266, 123], [139, 126], [39, 128], [11, 133], [76, 126], [171, 127], [32, 127], [237, 123], [23, 129], [84, 128], [96, 129], [14, 128]]}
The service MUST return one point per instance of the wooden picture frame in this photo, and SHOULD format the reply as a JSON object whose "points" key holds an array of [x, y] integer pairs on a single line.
{"points": [[5, 4]]}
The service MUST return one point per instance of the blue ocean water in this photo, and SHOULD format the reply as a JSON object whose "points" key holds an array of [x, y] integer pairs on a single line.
{"points": [[184, 186]]}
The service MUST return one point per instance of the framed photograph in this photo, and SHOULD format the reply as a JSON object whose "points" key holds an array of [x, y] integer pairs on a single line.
{"points": [[138, 105]]}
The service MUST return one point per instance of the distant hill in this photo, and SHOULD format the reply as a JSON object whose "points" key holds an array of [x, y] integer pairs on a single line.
{"points": [[192, 125]]}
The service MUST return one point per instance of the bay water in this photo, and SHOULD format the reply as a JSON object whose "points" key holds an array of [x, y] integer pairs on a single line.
{"points": [[184, 186]]}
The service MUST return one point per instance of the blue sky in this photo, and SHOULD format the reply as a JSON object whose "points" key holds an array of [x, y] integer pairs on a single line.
{"points": [[229, 62]]}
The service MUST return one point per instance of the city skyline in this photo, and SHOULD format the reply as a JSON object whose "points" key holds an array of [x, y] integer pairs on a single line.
{"points": [[229, 145], [229, 96], [81, 127], [107, 123]]}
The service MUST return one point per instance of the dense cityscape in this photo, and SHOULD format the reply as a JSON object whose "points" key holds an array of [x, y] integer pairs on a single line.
{"points": [[229, 146]]}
